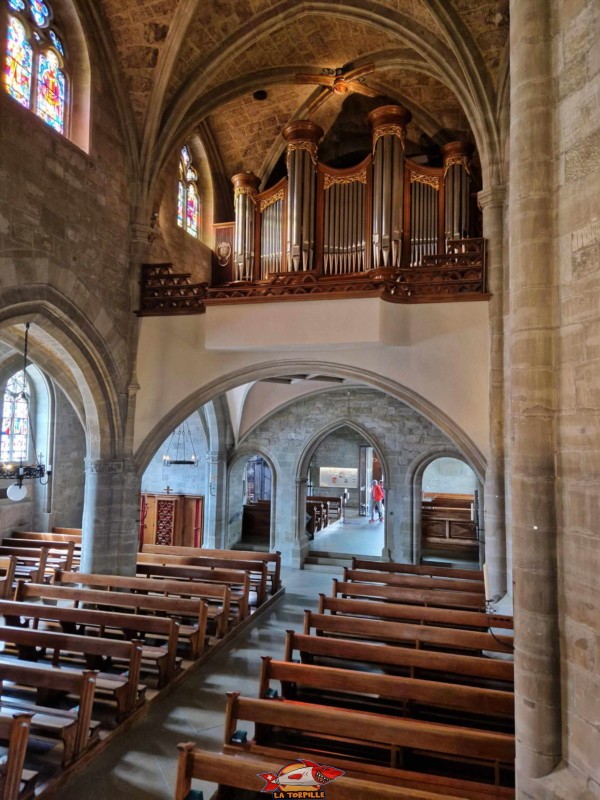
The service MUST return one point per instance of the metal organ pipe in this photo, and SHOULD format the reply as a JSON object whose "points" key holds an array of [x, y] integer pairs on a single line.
{"points": [[245, 188], [302, 139], [457, 186], [388, 129]]}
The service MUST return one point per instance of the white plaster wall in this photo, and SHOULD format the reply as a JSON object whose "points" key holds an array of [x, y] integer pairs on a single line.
{"points": [[439, 351]]}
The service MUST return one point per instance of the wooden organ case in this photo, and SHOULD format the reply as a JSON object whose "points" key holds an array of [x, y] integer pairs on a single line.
{"points": [[388, 225]]}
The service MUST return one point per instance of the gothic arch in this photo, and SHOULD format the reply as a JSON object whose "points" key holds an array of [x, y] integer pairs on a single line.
{"points": [[414, 486], [234, 472]]}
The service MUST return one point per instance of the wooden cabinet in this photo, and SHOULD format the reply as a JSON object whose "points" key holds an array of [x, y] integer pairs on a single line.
{"points": [[171, 519]]}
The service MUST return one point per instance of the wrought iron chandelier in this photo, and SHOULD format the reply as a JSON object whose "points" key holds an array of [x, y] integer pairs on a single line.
{"points": [[22, 469], [179, 439]]}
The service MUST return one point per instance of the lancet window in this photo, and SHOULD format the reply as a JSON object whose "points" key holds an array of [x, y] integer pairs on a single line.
{"points": [[14, 435], [34, 73], [188, 201]]}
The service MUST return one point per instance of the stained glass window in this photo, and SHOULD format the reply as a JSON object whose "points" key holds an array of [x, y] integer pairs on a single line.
{"points": [[34, 71], [188, 202], [14, 435], [51, 91], [19, 59]]}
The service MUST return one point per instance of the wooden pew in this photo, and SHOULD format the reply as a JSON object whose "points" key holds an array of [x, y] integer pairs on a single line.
{"points": [[28, 564], [417, 569], [370, 744], [77, 620], [74, 726], [125, 689], [140, 606], [59, 554], [422, 615], [237, 580], [257, 572], [15, 782], [431, 665], [45, 537], [233, 772], [8, 566], [408, 634], [439, 598], [272, 560], [414, 581], [74, 531], [333, 504], [218, 596], [447, 526], [389, 694]]}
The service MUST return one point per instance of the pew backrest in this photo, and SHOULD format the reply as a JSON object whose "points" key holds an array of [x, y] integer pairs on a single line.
{"points": [[429, 570], [14, 729], [414, 581], [399, 594], [8, 565]]}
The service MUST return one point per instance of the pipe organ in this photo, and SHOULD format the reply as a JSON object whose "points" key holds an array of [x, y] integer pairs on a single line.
{"points": [[385, 215]]}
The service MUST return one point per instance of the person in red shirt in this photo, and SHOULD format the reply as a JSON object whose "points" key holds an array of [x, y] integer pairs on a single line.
{"points": [[376, 501]]}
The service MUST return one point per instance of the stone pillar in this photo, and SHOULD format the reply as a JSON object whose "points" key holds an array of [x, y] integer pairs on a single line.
{"points": [[530, 376], [245, 186], [294, 520], [388, 131], [302, 139], [399, 524], [492, 205], [110, 517], [215, 512]]}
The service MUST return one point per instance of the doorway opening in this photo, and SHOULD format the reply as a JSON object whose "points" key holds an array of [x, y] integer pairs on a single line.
{"points": [[256, 514], [338, 502], [450, 512]]}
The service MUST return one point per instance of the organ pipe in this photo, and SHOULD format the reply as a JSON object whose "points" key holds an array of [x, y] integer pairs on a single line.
{"points": [[457, 182], [302, 139], [388, 130], [245, 187]]}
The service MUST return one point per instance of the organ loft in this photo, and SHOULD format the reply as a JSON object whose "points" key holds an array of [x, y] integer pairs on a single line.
{"points": [[299, 379]]}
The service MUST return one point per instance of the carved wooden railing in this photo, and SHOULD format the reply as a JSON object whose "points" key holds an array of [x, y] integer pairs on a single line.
{"points": [[164, 291]]}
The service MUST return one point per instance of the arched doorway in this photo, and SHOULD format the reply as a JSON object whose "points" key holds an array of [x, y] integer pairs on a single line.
{"points": [[450, 512], [338, 502], [256, 503]]}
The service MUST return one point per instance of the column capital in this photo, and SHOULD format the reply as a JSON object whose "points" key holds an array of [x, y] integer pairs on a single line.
{"points": [[492, 197], [109, 466], [141, 232]]}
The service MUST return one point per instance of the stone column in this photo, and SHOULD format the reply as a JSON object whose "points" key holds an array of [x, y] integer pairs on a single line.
{"points": [[110, 517], [492, 205], [399, 524], [292, 539], [530, 376], [215, 513]]}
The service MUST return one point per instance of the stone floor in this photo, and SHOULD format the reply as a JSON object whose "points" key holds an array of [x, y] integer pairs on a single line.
{"points": [[356, 535], [141, 764]]}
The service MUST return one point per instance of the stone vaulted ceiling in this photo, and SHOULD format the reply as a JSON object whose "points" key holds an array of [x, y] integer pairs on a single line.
{"points": [[188, 61]]}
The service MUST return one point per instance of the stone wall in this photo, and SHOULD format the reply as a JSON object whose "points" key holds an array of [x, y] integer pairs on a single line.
{"points": [[182, 479], [68, 468], [339, 449], [448, 475], [576, 67], [401, 436]]}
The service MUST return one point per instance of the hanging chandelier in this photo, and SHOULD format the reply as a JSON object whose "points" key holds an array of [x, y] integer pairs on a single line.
{"points": [[21, 469], [178, 450]]}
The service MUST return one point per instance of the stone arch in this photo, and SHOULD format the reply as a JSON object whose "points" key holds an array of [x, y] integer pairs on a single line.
{"points": [[414, 486], [203, 394], [460, 64], [309, 450], [234, 472], [66, 346]]}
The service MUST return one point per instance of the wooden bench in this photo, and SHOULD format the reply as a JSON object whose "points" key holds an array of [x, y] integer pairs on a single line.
{"points": [[78, 620], [8, 566], [417, 569], [370, 743], [59, 554], [389, 694], [447, 527], [124, 689], [406, 633], [243, 773], [427, 664], [257, 572], [15, 782], [39, 536], [74, 531], [217, 596], [333, 505], [237, 581], [422, 615], [272, 560], [415, 581], [28, 565], [73, 727], [439, 598], [139, 606]]}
